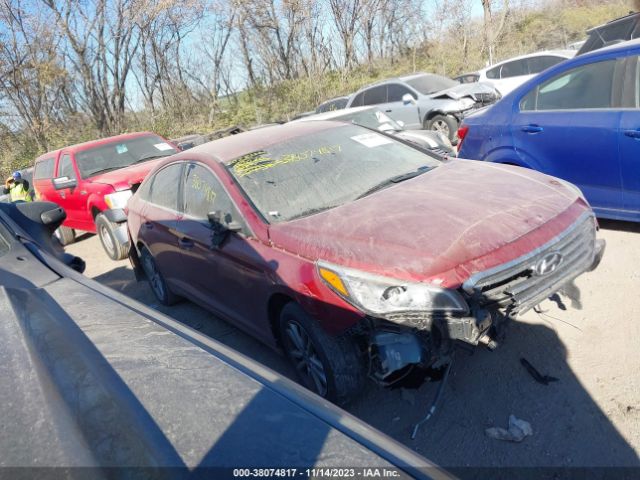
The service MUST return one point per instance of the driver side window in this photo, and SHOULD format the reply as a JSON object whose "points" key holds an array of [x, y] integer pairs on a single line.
{"points": [[588, 86], [203, 193], [65, 168]]}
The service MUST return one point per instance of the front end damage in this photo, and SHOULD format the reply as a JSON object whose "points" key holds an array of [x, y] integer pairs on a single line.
{"points": [[399, 343]]}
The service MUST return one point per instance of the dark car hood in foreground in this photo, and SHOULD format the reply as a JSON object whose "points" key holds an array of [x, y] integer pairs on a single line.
{"points": [[92, 378], [445, 223]]}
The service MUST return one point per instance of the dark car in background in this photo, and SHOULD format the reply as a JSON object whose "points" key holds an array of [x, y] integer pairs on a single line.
{"points": [[426, 100], [615, 31], [376, 119], [579, 121], [96, 385], [357, 254]]}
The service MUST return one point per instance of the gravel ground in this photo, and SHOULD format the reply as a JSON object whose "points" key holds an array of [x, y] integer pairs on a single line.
{"points": [[589, 418]]}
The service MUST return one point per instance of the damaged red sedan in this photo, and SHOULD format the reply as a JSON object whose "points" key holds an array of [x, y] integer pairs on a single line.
{"points": [[357, 254]]}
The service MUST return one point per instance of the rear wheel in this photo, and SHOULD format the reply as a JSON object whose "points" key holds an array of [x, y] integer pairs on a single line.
{"points": [[445, 124], [156, 281], [65, 235], [329, 366], [106, 231]]}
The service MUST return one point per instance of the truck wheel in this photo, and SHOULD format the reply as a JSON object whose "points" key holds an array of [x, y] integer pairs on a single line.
{"points": [[110, 243], [329, 366], [445, 124], [156, 281], [65, 235]]}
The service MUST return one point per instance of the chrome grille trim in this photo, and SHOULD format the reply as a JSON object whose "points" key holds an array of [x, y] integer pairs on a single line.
{"points": [[514, 285]]}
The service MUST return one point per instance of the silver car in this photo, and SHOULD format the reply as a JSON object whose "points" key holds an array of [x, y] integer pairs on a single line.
{"points": [[372, 117], [425, 100]]}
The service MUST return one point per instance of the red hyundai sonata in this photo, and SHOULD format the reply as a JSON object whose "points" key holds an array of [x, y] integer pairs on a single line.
{"points": [[355, 253]]}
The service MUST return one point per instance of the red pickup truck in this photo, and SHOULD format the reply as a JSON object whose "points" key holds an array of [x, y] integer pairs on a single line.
{"points": [[92, 181]]}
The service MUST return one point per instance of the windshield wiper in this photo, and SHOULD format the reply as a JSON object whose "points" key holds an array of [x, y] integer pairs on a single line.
{"points": [[103, 170], [311, 211], [393, 180], [152, 156]]}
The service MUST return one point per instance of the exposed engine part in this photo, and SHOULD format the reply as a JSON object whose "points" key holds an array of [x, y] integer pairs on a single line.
{"points": [[393, 354]]}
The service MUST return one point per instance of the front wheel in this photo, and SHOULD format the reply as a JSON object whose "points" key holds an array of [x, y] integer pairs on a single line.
{"points": [[158, 285], [445, 124], [106, 231], [329, 366]]}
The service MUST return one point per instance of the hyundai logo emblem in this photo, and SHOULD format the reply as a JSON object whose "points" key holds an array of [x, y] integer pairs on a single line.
{"points": [[548, 264]]}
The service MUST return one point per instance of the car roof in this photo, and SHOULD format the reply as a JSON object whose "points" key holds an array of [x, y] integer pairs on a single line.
{"points": [[558, 53], [615, 20], [227, 149], [95, 143]]}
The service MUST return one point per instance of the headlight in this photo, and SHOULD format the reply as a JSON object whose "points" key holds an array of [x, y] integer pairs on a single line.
{"points": [[380, 296], [466, 103], [118, 199]]}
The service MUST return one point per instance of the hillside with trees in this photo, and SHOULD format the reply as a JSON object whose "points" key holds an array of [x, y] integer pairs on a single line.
{"points": [[74, 70]]}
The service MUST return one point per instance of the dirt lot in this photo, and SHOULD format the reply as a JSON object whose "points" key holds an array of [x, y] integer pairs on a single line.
{"points": [[589, 418]]}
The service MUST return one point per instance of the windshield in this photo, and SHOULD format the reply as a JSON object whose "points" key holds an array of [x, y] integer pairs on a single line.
{"points": [[325, 169], [122, 153], [373, 118], [430, 83]]}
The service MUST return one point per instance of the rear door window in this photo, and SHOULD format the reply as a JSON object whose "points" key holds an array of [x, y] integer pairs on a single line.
{"points": [[539, 64], [514, 69], [164, 187], [44, 169], [493, 73], [358, 100]]}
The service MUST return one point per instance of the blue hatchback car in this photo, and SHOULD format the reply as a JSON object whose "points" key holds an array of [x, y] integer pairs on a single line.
{"points": [[579, 121]]}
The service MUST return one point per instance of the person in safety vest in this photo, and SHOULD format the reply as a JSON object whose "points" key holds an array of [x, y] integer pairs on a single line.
{"points": [[17, 188]]}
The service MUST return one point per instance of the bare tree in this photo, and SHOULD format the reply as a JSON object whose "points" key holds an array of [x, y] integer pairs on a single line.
{"points": [[346, 17], [101, 38], [491, 29]]}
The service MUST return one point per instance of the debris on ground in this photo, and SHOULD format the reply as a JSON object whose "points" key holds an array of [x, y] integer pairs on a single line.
{"points": [[518, 429], [537, 376]]}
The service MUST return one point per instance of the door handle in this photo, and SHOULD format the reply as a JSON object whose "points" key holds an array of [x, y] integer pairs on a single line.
{"points": [[148, 225], [632, 133], [389, 111], [532, 129], [185, 243]]}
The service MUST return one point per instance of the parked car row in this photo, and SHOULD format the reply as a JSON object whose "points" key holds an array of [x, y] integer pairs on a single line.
{"points": [[364, 251]]}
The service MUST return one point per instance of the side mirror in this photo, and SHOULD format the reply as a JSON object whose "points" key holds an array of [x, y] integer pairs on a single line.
{"points": [[61, 183], [221, 226], [407, 99]]}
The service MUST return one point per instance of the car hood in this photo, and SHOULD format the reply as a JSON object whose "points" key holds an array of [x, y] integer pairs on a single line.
{"points": [[124, 178], [442, 226], [464, 90]]}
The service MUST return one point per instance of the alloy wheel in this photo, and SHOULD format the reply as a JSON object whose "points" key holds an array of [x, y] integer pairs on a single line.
{"points": [[306, 358], [153, 275]]}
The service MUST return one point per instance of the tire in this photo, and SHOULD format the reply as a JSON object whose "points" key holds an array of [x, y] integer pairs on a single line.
{"points": [[156, 281], [106, 232], [65, 235], [444, 124], [338, 374]]}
